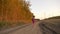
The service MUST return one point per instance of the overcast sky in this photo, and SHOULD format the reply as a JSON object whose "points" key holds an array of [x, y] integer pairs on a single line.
{"points": [[45, 8]]}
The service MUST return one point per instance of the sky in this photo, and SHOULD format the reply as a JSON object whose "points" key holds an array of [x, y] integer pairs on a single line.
{"points": [[45, 8]]}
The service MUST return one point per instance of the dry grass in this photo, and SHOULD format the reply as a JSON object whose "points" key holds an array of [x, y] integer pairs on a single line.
{"points": [[5, 25]]}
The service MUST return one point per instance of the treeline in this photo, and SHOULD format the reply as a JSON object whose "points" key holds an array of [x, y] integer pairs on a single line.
{"points": [[15, 11], [55, 17]]}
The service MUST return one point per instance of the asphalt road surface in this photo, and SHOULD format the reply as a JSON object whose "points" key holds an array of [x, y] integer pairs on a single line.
{"points": [[31, 29]]}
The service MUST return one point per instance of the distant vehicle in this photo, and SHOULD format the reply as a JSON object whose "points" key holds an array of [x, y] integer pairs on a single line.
{"points": [[37, 19]]}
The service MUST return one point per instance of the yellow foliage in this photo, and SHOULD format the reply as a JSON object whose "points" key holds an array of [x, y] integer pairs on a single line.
{"points": [[15, 11]]}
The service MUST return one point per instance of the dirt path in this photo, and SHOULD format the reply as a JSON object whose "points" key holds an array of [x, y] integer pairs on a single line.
{"points": [[28, 30]]}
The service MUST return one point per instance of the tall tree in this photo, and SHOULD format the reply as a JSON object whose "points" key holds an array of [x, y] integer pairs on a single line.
{"points": [[15, 10]]}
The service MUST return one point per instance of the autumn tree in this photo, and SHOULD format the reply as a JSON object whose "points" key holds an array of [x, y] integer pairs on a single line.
{"points": [[15, 10]]}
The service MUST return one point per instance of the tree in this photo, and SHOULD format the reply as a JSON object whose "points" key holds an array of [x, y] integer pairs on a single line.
{"points": [[15, 10]]}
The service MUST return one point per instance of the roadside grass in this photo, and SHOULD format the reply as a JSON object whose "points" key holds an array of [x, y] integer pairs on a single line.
{"points": [[6, 25]]}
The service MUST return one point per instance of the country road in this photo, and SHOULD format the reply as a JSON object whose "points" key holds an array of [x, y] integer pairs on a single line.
{"points": [[51, 26], [30, 29]]}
